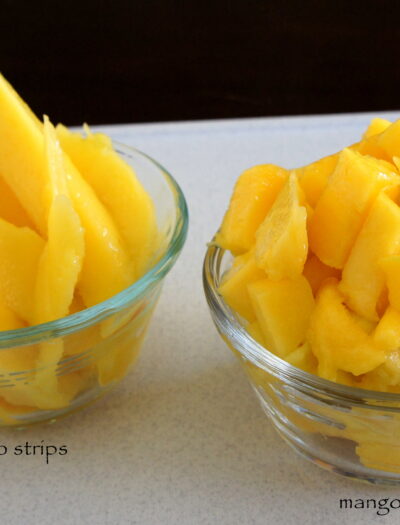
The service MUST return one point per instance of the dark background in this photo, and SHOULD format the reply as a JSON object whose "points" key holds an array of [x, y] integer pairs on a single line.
{"points": [[154, 60]]}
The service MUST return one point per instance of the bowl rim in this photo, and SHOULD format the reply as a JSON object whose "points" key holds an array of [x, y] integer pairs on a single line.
{"points": [[94, 314], [229, 326]]}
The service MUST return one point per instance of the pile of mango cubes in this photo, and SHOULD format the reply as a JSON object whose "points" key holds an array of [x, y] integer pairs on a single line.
{"points": [[316, 271]]}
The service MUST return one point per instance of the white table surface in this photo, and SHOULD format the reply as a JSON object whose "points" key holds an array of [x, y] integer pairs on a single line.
{"points": [[182, 439]]}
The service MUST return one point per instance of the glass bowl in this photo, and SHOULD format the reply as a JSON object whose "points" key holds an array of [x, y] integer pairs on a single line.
{"points": [[98, 344], [349, 431]]}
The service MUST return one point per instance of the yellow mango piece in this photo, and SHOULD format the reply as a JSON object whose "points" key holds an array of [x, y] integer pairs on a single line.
{"points": [[281, 240], [29, 394], [253, 195], [365, 324], [391, 269], [22, 154], [118, 188], [396, 162], [15, 359], [8, 319], [345, 378], [82, 341], [255, 331], [363, 280], [303, 358], [72, 383], [62, 257], [119, 352], [387, 332], [10, 208], [21, 249], [344, 205], [316, 272], [370, 146], [337, 340], [386, 376], [105, 254], [314, 177], [22, 135], [234, 285], [283, 311], [379, 456], [376, 126], [60, 264], [389, 140]]}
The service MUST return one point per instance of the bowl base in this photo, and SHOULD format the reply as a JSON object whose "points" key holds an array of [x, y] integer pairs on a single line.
{"points": [[375, 477]]}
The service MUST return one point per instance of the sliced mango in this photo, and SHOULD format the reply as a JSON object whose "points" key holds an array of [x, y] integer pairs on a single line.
{"points": [[11, 209], [105, 254], [234, 285], [118, 188], [389, 140], [370, 146], [255, 331], [22, 154], [281, 240], [376, 126], [344, 205], [314, 177], [337, 340], [391, 269], [22, 134], [253, 195], [21, 249], [303, 358], [387, 332], [363, 280], [61, 262], [66, 242], [283, 311], [14, 359]]}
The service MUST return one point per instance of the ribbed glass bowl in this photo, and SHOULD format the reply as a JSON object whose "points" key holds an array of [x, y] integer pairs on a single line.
{"points": [[349, 431], [99, 343]]}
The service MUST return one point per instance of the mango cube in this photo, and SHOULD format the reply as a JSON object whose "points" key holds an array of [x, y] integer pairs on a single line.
{"points": [[391, 269], [376, 126], [363, 280], [337, 340], [332, 235], [255, 331], [234, 285], [254, 193], [283, 310], [389, 140], [387, 332], [314, 177], [344, 205], [303, 358], [281, 240]]}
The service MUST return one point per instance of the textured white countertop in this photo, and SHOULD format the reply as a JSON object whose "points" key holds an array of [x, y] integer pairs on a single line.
{"points": [[182, 439]]}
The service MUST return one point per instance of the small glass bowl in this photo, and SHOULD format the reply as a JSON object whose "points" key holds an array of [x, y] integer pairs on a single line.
{"points": [[349, 431], [98, 344]]}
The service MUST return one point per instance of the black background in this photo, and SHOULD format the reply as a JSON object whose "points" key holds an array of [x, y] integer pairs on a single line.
{"points": [[154, 60]]}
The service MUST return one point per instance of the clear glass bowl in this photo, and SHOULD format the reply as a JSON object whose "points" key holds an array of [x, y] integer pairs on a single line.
{"points": [[349, 431], [100, 343]]}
